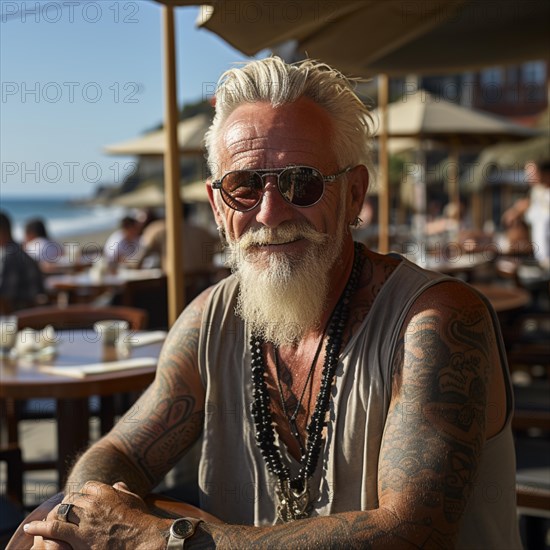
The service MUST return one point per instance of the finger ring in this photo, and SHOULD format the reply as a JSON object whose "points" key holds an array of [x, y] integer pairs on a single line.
{"points": [[63, 512]]}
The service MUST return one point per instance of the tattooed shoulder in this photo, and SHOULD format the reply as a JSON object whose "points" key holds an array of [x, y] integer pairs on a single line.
{"points": [[182, 343]]}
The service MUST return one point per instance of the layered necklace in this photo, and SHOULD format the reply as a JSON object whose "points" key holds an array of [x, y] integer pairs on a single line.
{"points": [[293, 494]]}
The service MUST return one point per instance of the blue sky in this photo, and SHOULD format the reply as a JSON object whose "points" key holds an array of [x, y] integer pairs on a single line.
{"points": [[77, 76]]}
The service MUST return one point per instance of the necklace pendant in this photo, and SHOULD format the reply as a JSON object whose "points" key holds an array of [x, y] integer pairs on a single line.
{"points": [[292, 504]]}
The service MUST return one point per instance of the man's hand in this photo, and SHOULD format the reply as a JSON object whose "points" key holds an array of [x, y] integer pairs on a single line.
{"points": [[100, 517]]}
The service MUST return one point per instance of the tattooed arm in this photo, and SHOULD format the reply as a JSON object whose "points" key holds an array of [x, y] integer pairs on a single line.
{"points": [[447, 369], [107, 482]]}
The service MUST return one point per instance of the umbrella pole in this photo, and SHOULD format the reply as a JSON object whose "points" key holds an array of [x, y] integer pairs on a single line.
{"points": [[383, 168], [174, 211], [454, 190]]}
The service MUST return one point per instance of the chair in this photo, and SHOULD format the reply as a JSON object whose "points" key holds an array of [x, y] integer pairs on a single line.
{"points": [[150, 295], [11, 455], [80, 316], [6, 307], [11, 499], [11, 503]]}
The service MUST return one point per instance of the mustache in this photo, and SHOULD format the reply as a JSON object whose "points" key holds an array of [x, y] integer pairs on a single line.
{"points": [[288, 232]]}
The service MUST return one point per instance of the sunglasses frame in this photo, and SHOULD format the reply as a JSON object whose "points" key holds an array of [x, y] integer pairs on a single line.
{"points": [[278, 172]]}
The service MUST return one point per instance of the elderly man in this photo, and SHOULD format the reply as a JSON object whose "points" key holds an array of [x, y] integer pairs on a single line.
{"points": [[345, 398]]}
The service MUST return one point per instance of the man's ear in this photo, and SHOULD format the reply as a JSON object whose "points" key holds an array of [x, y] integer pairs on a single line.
{"points": [[358, 182], [217, 215]]}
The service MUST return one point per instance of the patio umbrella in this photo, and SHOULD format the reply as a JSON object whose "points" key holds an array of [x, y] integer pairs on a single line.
{"points": [[423, 116], [190, 133], [507, 158], [151, 195]]}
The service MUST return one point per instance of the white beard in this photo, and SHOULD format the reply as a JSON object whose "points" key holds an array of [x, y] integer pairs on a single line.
{"points": [[287, 297]]}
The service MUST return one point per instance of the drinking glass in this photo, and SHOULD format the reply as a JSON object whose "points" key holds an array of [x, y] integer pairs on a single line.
{"points": [[110, 331], [8, 334]]}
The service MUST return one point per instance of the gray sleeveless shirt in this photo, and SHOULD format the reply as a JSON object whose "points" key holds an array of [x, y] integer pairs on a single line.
{"points": [[234, 483]]}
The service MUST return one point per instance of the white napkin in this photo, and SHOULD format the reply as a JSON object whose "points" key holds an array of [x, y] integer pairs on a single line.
{"points": [[81, 371], [136, 339], [30, 341]]}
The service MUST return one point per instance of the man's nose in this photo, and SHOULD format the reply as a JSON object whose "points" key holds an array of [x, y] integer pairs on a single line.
{"points": [[273, 209]]}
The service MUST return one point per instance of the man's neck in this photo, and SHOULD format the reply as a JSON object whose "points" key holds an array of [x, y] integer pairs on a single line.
{"points": [[338, 277]]}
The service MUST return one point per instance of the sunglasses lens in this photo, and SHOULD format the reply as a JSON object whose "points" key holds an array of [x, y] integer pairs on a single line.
{"points": [[242, 190], [302, 186]]}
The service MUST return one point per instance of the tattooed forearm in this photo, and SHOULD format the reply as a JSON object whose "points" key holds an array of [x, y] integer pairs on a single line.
{"points": [[164, 437], [350, 530], [105, 464]]}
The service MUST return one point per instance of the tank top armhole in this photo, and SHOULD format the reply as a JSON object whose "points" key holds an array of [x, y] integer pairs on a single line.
{"points": [[223, 295]]}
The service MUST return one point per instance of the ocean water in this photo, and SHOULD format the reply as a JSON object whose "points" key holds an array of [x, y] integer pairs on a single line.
{"points": [[62, 217]]}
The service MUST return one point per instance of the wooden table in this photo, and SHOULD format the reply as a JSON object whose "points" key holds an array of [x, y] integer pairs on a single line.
{"points": [[21, 379], [84, 285]]}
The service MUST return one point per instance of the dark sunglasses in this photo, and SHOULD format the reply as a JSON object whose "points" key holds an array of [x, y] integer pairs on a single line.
{"points": [[300, 186]]}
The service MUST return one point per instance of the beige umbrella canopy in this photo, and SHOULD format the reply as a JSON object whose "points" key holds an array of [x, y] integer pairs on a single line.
{"points": [[151, 194], [190, 134], [390, 36], [422, 115]]}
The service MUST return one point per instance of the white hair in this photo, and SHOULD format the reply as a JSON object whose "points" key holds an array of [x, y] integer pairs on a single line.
{"points": [[279, 83]]}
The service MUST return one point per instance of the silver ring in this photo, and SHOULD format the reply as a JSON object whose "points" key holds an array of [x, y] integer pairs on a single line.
{"points": [[63, 512]]}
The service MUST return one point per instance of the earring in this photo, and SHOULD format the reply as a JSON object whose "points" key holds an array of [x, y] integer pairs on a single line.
{"points": [[357, 221], [221, 232]]}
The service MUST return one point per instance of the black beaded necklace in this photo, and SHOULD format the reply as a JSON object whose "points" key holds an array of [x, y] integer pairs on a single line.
{"points": [[293, 494]]}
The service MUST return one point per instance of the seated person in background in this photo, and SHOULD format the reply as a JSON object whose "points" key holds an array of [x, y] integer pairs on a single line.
{"points": [[122, 246], [346, 399], [518, 239], [145, 216], [198, 244], [39, 246], [21, 283]]}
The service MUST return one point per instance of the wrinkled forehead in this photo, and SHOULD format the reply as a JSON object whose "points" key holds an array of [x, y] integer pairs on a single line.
{"points": [[260, 135]]}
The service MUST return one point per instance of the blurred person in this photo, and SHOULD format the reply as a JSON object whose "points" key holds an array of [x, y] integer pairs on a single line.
{"points": [[38, 244], [145, 216], [198, 245], [537, 215], [21, 283], [122, 246], [533, 210], [346, 399]]}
